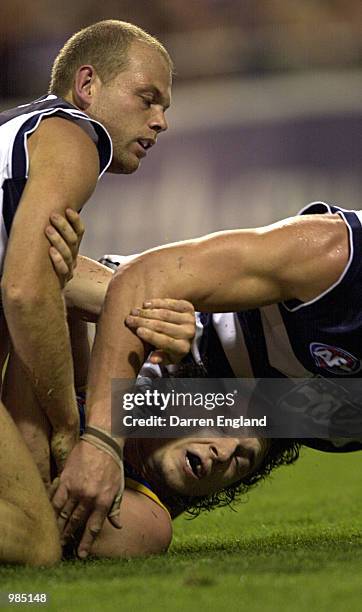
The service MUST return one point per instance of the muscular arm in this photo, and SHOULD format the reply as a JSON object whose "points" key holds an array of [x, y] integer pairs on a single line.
{"points": [[63, 173], [227, 271], [86, 292]]}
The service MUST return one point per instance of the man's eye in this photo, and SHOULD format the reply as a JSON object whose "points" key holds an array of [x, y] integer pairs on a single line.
{"points": [[147, 101]]}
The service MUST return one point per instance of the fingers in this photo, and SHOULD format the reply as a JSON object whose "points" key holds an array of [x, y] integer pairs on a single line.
{"points": [[64, 507], [75, 220], [164, 342], [71, 519], [170, 304], [68, 519], [72, 515], [152, 329], [114, 519], [165, 316], [162, 314], [64, 234], [161, 358], [53, 487], [58, 494], [172, 345], [89, 483], [69, 227], [114, 510], [60, 254], [169, 350], [168, 325], [91, 531]]}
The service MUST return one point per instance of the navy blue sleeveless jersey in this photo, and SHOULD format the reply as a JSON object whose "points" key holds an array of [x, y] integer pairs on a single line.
{"points": [[296, 339], [15, 126], [322, 337]]}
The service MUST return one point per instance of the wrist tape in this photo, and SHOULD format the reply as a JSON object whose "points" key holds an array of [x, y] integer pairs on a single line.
{"points": [[103, 441]]}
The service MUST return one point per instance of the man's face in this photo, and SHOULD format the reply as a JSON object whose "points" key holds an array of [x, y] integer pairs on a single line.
{"points": [[201, 466], [132, 106]]}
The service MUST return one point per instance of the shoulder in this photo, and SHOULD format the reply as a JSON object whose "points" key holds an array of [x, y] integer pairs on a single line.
{"points": [[155, 519], [146, 529], [58, 133], [309, 253], [294, 234], [61, 149]]}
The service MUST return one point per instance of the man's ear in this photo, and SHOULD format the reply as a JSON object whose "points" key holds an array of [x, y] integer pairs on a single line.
{"points": [[84, 84]]}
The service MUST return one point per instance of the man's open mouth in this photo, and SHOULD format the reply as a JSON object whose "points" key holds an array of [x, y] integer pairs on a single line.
{"points": [[195, 464], [145, 144]]}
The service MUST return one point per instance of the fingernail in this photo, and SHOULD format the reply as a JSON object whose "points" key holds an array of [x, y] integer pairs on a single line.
{"points": [[147, 304], [50, 230], [135, 311], [82, 554], [129, 320]]}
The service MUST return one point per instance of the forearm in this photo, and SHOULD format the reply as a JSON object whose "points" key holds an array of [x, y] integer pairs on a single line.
{"points": [[118, 353], [20, 401], [86, 291], [40, 337]]}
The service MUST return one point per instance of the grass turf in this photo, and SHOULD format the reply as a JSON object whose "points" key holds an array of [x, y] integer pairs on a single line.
{"points": [[295, 545]]}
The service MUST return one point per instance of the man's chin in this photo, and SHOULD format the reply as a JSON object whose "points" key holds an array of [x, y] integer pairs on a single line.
{"points": [[124, 167]]}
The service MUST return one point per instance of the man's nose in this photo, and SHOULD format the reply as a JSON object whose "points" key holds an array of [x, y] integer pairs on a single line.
{"points": [[222, 452], [158, 121]]}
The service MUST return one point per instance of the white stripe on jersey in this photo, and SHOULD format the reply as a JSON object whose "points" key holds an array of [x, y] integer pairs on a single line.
{"points": [[359, 215], [228, 329], [280, 353], [10, 129]]}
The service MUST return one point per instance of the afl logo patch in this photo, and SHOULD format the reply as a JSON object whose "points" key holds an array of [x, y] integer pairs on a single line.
{"points": [[333, 359]]}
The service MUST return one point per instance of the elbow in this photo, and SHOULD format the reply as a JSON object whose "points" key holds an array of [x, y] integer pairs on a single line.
{"points": [[153, 274], [19, 295]]}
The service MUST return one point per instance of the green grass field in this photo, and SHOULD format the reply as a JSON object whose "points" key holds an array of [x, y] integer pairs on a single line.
{"points": [[295, 545]]}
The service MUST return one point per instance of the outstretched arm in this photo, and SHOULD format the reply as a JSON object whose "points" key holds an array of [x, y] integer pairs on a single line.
{"points": [[87, 290], [227, 271]]}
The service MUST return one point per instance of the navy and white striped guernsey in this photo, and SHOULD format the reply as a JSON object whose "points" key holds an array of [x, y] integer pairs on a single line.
{"points": [[15, 126], [322, 337]]}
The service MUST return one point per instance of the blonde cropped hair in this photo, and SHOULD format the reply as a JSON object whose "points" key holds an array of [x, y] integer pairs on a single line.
{"points": [[103, 45]]}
